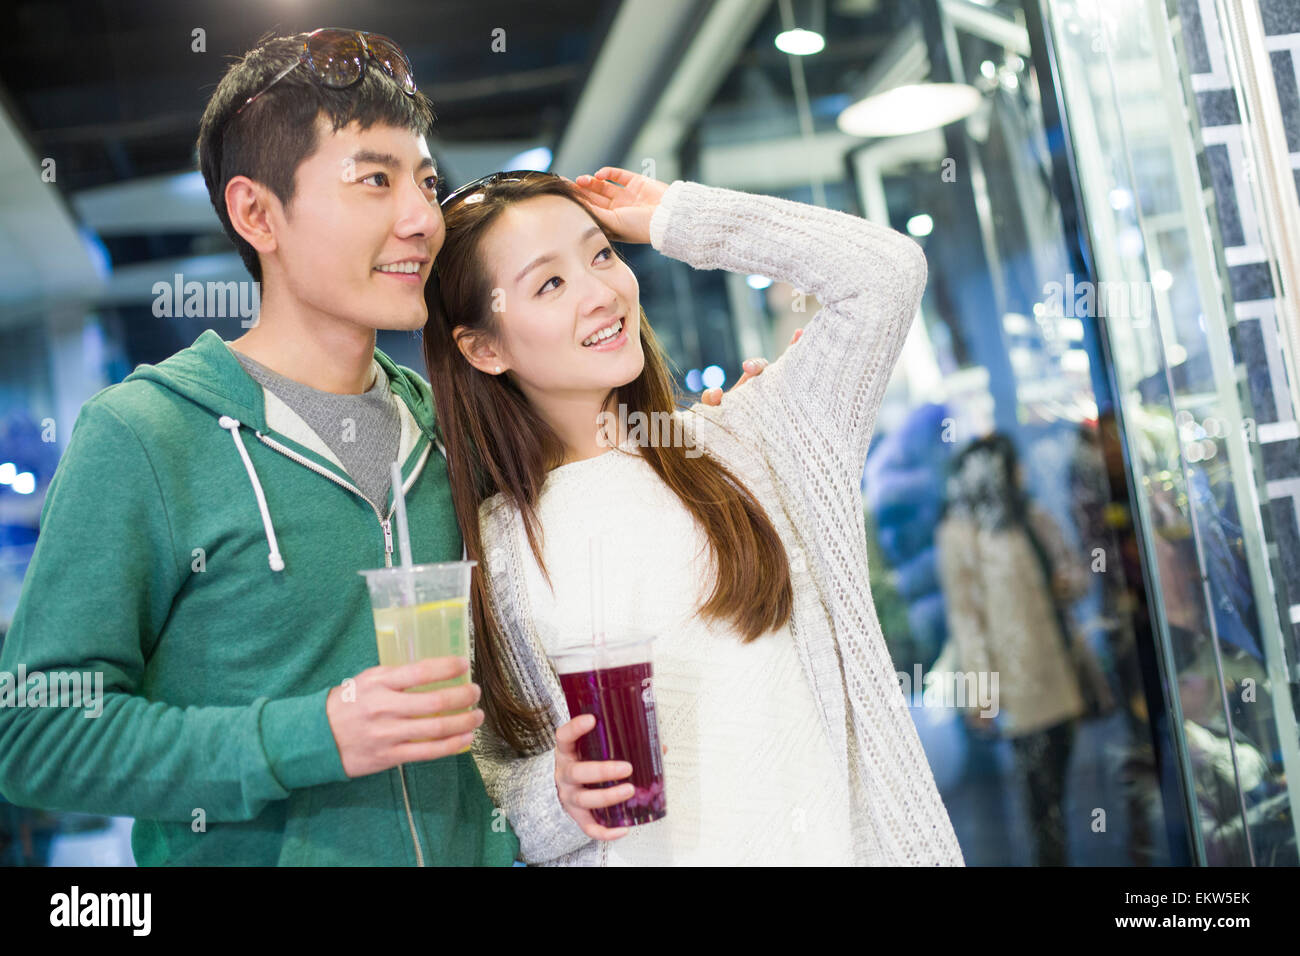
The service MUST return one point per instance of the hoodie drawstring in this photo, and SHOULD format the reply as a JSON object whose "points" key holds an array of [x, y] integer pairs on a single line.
{"points": [[231, 425]]}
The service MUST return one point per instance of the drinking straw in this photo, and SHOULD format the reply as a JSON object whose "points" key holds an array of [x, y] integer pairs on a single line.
{"points": [[403, 529], [597, 592], [599, 657], [403, 533]]}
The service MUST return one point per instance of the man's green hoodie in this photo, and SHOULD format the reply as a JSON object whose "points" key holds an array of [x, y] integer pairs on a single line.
{"points": [[200, 546]]}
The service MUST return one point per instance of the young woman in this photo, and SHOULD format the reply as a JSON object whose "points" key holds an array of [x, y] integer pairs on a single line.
{"points": [[739, 544]]}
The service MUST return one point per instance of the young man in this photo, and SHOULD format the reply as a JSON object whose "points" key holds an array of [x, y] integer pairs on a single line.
{"points": [[201, 539]]}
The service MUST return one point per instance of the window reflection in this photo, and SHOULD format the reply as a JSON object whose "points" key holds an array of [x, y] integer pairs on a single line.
{"points": [[997, 543], [1187, 422]]}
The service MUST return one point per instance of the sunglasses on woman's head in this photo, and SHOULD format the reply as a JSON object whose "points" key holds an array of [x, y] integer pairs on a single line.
{"points": [[337, 58], [477, 190]]}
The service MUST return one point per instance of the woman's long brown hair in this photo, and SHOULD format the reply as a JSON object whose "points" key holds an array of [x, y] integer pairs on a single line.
{"points": [[497, 443]]}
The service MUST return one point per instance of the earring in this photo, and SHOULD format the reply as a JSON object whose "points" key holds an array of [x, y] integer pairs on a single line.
{"points": [[498, 369]]}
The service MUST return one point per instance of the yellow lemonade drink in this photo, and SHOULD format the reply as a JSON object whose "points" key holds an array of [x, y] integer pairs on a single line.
{"points": [[422, 611], [432, 629]]}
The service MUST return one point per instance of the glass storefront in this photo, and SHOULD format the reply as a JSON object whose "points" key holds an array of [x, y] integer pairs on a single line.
{"points": [[1189, 423], [1062, 487]]}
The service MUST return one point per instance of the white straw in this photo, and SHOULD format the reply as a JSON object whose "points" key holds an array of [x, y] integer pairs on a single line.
{"points": [[597, 592], [403, 529]]}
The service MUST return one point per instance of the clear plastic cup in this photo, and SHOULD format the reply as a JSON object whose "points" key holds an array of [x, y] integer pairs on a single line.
{"points": [[422, 611], [614, 682]]}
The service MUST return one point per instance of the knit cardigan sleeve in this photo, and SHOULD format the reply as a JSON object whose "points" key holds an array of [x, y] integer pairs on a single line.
{"points": [[823, 391], [523, 785]]}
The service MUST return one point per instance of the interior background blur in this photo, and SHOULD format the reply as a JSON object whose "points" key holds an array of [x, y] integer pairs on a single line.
{"points": [[1086, 470]]}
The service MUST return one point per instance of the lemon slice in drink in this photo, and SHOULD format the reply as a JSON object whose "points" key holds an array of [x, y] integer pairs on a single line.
{"points": [[449, 602]]}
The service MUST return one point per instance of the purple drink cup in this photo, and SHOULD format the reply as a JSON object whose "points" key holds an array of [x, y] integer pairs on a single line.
{"points": [[613, 682]]}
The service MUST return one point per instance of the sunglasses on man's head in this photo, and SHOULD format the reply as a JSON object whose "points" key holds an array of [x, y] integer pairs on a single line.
{"points": [[337, 58]]}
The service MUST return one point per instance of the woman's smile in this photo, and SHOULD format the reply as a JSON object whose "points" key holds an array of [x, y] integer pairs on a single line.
{"points": [[608, 338]]}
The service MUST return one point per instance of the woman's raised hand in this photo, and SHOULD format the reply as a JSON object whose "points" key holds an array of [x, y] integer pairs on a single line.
{"points": [[571, 774], [622, 201]]}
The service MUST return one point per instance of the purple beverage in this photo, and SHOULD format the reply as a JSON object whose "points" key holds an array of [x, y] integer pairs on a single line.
{"points": [[621, 697]]}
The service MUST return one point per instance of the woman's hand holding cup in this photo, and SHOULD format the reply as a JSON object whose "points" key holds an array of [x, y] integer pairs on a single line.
{"points": [[571, 775]]}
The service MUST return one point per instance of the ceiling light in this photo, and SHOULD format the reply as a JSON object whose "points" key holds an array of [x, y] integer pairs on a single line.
{"points": [[920, 225], [910, 109], [799, 42]]}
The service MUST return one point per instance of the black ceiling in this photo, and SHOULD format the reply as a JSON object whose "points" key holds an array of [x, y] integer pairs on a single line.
{"points": [[113, 89]]}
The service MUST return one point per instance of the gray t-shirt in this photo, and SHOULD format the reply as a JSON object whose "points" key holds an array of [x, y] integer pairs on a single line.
{"points": [[364, 431]]}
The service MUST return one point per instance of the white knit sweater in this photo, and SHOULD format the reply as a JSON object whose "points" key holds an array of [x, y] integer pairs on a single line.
{"points": [[749, 772], [797, 436]]}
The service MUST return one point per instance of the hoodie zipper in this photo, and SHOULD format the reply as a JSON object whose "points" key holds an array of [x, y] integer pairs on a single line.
{"points": [[386, 525]]}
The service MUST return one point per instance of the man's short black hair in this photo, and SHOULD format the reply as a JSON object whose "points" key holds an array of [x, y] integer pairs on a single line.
{"points": [[269, 139]]}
